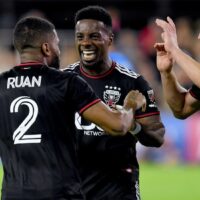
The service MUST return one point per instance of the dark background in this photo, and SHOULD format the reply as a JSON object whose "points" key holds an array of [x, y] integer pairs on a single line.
{"points": [[134, 13]]}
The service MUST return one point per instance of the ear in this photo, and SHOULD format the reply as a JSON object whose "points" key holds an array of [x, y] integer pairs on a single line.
{"points": [[111, 37], [46, 49]]}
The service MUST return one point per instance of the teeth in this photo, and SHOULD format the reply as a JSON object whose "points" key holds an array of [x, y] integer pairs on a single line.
{"points": [[88, 55], [88, 52]]}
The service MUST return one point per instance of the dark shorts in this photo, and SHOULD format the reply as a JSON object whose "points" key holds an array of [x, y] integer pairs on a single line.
{"points": [[37, 199], [32, 197], [121, 186], [54, 198]]}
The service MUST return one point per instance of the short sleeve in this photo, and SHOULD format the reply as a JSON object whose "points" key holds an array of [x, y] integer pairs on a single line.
{"points": [[147, 91], [81, 94], [195, 92]]}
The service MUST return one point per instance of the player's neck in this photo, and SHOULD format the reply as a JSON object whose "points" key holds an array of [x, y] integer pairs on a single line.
{"points": [[97, 69], [33, 57]]}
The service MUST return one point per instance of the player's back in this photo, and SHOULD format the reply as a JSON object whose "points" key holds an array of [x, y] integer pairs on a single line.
{"points": [[37, 133]]}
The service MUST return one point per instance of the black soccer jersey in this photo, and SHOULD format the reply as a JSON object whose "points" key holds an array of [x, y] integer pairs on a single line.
{"points": [[108, 165], [37, 138]]}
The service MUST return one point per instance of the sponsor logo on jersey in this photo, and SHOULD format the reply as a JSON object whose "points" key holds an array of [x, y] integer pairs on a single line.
{"points": [[24, 81], [93, 133], [90, 129], [111, 95]]}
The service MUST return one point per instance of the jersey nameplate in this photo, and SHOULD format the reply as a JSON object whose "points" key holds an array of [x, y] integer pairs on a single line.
{"points": [[24, 81]]}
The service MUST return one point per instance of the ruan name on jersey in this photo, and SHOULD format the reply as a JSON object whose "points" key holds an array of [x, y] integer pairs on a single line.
{"points": [[24, 81]]}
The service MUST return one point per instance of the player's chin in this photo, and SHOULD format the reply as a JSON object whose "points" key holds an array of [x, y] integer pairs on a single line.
{"points": [[88, 63]]}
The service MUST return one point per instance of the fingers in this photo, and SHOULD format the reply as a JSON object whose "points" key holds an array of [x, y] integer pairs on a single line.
{"points": [[161, 23], [159, 47], [144, 106], [171, 22], [141, 102], [199, 36], [166, 25], [138, 99]]}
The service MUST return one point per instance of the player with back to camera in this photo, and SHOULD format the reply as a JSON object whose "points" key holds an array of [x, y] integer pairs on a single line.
{"points": [[38, 104]]}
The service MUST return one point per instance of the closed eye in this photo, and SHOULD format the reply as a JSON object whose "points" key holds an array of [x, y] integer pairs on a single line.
{"points": [[79, 37], [96, 36]]}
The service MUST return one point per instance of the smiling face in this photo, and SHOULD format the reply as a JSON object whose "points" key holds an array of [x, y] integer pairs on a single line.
{"points": [[92, 39]]}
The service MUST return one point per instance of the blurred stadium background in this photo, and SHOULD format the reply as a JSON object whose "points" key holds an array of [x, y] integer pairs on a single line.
{"points": [[171, 172]]}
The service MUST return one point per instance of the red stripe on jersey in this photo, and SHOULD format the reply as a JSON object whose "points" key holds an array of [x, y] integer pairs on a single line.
{"points": [[147, 115], [88, 105], [30, 63]]}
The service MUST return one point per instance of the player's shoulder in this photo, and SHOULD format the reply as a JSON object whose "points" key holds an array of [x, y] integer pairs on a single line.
{"points": [[60, 72], [6, 73], [124, 71], [57, 75], [71, 67]]}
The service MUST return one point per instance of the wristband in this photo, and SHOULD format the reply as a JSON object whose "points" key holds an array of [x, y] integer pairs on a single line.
{"points": [[137, 129], [119, 107]]}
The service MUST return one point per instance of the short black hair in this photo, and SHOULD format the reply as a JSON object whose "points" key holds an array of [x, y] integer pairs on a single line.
{"points": [[94, 12], [30, 32]]}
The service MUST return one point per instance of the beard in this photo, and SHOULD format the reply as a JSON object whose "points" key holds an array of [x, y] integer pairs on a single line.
{"points": [[55, 62]]}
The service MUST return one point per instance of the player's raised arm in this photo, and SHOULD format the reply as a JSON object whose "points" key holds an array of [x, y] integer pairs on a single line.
{"points": [[178, 98], [186, 62]]}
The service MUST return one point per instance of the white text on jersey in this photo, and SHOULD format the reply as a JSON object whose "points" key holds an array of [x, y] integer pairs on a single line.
{"points": [[24, 81], [89, 129]]}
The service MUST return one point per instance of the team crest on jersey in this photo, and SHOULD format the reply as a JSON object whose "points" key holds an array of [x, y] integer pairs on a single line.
{"points": [[151, 98], [111, 95]]}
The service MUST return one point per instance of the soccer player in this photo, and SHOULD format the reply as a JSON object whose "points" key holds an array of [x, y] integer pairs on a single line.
{"points": [[108, 165], [38, 104], [182, 102]]}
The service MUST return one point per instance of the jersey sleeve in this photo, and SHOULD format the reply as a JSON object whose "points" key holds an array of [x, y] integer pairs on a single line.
{"points": [[81, 94], [147, 91], [195, 92]]}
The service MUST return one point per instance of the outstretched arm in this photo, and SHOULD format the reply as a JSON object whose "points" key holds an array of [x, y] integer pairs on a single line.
{"points": [[186, 62]]}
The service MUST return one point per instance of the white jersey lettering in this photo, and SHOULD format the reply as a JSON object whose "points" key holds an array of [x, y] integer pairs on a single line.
{"points": [[87, 128], [21, 81]]}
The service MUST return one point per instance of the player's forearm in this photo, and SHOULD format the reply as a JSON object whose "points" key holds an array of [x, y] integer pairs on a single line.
{"points": [[120, 123], [152, 136], [114, 122], [174, 93], [188, 64], [122, 119]]}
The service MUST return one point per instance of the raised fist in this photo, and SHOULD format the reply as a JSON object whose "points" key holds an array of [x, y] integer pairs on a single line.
{"points": [[136, 100]]}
